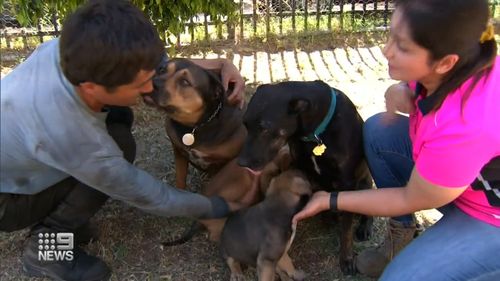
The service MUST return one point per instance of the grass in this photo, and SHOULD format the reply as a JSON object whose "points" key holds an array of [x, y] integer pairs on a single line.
{"points": [[130, 239]]}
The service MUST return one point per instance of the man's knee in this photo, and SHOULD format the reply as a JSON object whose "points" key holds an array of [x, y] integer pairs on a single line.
{"points": [[22, 210]]}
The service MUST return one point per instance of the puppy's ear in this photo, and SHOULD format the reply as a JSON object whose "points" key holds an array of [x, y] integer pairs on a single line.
{"points": [[296, 106], [301, 186], [284, 158], [271, 187]]}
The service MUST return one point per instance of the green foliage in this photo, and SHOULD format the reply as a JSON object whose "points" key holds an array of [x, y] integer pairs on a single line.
{"points": [[169, 16]]}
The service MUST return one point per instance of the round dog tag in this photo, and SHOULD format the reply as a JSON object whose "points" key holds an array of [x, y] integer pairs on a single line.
{"points": [[188, 139]]}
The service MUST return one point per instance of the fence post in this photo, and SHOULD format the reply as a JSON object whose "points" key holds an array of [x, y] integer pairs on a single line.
{"points": [[330, 5], [54, 23], [353, 8], [25, 38], [231, 31], [40, 33], [280, 15], [364, 12], [305, 15], [242, 23], [268, 19], [7, 39], [205, 24], [386, 13], [254, 7], [318, 14], [342, 15]]}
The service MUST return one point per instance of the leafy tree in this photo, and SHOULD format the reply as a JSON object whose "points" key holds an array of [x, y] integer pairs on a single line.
{"points": [[169, 16]]}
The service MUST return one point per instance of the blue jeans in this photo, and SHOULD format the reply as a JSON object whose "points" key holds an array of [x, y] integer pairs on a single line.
{"points": [[458, 246], [389, 153]]}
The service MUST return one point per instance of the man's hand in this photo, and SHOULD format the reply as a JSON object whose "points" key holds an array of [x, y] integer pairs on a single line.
{"points": [[320, 201], [230, 74], [399, 98]]}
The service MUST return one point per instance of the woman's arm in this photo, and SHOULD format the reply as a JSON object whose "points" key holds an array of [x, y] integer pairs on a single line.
{"points": [[419, 194], [229, 74]]}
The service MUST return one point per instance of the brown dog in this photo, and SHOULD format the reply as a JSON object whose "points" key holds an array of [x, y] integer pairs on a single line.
{"points": [[238, 185], [262, 235], [204, 129], [242, 186]]}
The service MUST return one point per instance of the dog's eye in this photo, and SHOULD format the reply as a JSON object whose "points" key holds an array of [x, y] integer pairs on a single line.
{"points": [[184, 83], [170, 109]]}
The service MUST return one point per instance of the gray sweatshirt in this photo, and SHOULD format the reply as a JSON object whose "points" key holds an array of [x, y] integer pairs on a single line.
{"points": [[48, 133]]}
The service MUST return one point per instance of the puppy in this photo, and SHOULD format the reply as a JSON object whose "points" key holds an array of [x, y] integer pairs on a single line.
{"points": [[204, 129], [325, 134], [262, 235], [239, 185]]}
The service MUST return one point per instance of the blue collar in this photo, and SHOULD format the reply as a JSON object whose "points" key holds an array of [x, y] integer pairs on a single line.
{"points": [[322, 126]]}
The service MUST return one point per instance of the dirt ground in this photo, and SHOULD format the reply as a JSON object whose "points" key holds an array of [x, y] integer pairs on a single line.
{"points": [[130, 239]]}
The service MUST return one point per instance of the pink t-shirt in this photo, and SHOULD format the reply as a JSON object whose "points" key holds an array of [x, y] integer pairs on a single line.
{"points": [[453, 144]]}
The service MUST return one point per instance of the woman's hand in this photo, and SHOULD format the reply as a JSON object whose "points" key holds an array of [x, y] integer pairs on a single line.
{"points": [[320, 201], [230, 74], [399, 98]]}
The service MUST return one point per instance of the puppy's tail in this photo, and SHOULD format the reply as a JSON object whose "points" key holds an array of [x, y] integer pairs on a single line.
{"points": [[188, 235]]}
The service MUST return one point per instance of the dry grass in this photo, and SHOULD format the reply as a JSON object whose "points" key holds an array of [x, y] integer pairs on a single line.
{"points": [[130, 239]]}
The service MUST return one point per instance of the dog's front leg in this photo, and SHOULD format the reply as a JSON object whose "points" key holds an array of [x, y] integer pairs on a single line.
{"points": [[214, 227], [286, 267], [181, 168], [266, 268], [235, 267], [346, 243]]}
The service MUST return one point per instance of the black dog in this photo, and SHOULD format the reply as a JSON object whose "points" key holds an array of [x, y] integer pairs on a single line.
{"points": [[311, 116]]}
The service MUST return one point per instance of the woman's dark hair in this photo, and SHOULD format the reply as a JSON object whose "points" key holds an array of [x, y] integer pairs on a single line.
{"points": [[446, 27], [108, 42]]}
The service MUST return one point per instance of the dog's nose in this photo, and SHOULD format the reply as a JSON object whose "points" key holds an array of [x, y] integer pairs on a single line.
{"points": [[243, 162], [253, 165], [254, 172]]}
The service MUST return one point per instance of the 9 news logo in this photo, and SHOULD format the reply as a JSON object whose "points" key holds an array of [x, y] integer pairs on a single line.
{"points": [[55, 246]]}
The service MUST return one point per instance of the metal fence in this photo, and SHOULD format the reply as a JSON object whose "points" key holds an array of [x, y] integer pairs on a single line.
{"points": [[256, 18]]}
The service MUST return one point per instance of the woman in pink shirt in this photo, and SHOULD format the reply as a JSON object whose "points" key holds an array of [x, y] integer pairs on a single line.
{"points": [[446, 155]]}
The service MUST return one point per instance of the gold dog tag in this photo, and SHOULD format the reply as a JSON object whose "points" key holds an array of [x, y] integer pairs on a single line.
{"points": [[188, 139], [319, 149]]}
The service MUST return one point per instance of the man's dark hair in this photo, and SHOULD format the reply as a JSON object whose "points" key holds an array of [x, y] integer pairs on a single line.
{"points": [[108, 42]]}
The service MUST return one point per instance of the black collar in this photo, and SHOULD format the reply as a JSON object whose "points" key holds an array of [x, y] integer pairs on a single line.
{"points": [[427, 103]]}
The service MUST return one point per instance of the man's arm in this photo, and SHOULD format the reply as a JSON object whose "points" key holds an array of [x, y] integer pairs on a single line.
{"points": [[91, 156]]}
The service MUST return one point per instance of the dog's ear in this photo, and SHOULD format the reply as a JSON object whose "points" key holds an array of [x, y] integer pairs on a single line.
{"points": [[296, 106], [215, 83]]}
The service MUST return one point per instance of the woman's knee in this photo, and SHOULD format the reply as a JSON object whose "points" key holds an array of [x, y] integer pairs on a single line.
{"points": [[376, 126]]}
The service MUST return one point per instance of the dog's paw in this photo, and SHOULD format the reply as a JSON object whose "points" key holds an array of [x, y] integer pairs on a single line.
{"points": [[363, 233], [298, 275], [237, 277], [364, 230], [348, 266]]}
